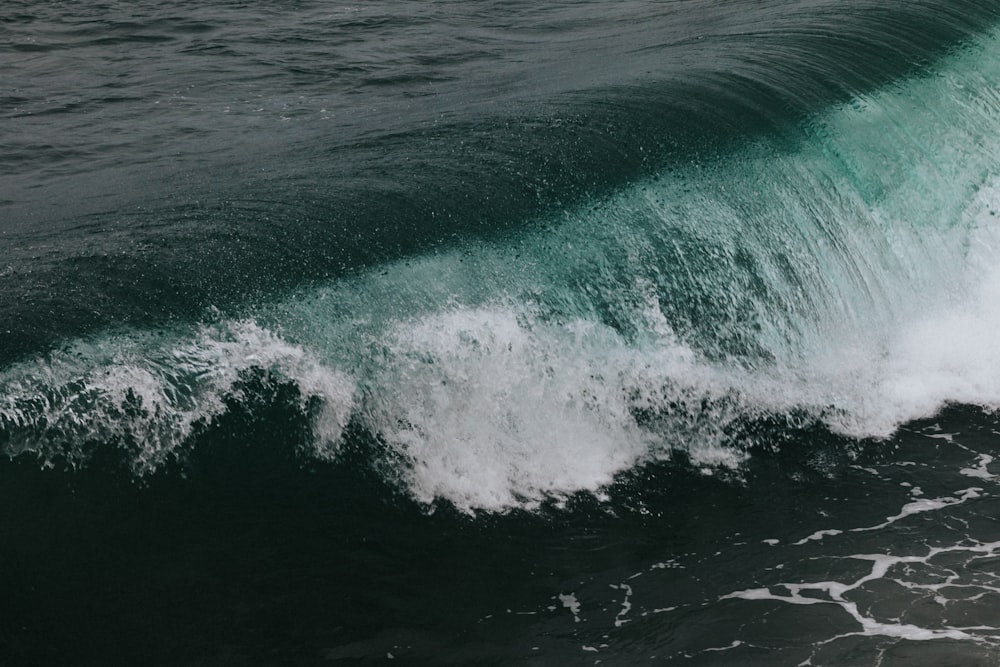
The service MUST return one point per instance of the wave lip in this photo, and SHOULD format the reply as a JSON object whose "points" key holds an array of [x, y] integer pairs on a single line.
{"points": [[150, 392], [845, 276]]}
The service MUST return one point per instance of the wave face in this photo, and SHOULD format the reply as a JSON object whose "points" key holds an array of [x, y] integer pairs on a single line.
{"points": [[500, 333], [833, 264]]}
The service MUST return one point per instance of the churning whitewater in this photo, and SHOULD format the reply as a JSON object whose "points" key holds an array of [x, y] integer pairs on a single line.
{"points": [[840, 272], [461, 332]]}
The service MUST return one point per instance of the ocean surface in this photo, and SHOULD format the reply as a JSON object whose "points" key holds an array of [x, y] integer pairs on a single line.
{"points": [[500, 333]]}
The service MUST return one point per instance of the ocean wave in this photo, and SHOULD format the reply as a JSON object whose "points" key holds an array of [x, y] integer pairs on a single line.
{"points": [[843, 276]]}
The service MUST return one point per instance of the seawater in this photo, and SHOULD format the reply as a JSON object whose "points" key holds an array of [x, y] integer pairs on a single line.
{"points": [[462, 333]]}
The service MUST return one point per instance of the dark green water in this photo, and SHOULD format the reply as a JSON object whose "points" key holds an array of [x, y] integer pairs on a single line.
{"points": [[479, 333]]}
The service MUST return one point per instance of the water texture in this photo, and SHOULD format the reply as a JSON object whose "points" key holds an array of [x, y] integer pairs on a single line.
{"points": [[466, 332]]}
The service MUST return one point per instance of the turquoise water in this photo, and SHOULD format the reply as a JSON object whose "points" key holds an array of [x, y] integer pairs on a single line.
{"points": [[315, 311]]}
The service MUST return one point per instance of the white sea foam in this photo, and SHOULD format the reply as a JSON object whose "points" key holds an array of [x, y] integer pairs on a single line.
{"points": [[501, 405], [494, 409], [507, 373], [498, 406], [947, 353], [151, 391]]}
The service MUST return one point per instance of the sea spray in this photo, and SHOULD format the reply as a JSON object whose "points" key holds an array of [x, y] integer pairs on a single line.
{"points": [[828, 272]]}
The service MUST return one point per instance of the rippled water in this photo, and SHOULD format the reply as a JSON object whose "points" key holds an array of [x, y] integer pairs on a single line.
{"points": [[495, 333]]}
